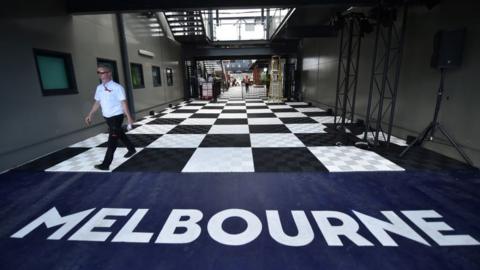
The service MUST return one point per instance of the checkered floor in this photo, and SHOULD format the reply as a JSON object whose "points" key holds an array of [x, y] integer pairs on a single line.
{"points": [[235, 135]]}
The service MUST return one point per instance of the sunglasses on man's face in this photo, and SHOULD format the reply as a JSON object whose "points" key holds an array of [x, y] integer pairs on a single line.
{"points": [[102, 72]]}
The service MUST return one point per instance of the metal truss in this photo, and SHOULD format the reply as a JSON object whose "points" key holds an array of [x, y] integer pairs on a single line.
{"points": [[385, 74], [348, 66]]}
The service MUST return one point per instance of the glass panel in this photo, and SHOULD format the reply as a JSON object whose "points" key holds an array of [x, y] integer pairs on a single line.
{"points": [[157, 81], [137, 76], [53, 73], [169, 76]]}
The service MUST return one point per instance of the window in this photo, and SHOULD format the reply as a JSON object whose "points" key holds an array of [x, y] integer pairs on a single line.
{"points": [[137, 75], [157, 79], [169, 76], [112, 65], [55, 72]]}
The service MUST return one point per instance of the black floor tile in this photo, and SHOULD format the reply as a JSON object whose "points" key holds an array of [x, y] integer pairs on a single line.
{"points": [[298, 120], [213, 108], [268, 129], [419, 158], [184, 111], [256, 107], [158, 159], [312, 114], [286, 160], [52, 159], [228, 121], [253, 101], [234, 111], [205, 115], [325, 139], [354, 128], [226, 140], [166, 121], [301, 106], [190, 129], [283, 110], [235, 104], [261, 115], [138, 140], [158, 115]]}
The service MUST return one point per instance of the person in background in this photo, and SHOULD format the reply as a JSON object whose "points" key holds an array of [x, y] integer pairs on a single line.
{"points": [[110, 96]]}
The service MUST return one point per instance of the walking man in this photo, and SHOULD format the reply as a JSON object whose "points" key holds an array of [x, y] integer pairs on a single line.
{"points": [[111, 97]]}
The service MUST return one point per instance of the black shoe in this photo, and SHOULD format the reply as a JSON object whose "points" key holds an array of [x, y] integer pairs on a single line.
{"points": [[130, 153], [102, 167]]}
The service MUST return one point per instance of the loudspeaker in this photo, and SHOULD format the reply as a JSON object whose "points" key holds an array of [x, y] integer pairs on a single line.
{"points": [[448, 49]]}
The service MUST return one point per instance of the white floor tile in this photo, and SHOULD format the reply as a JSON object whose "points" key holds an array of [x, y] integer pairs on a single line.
{"points": [[279, 107], [93, 141], [323, 119], [235, 108], [232, 116], [199, 102], [225, 159], [203, 111], [152, 129], [259, 111], [177, 115], [192, 107], [289, 114], [296, 103], [198, 121], [264, 121], [178, 141], [306, 128], [275, 140], [85, 161], [351, 158], [215, 105], [253, 105], [229, 129], [236, 101], [310, 109]]}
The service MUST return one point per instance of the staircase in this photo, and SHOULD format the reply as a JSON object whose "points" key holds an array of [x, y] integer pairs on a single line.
{"points": [[187, 26]]}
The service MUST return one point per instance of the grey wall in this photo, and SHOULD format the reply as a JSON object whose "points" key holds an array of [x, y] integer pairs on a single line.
{"points": [[418, 82], [34, 125], [167, 55]]}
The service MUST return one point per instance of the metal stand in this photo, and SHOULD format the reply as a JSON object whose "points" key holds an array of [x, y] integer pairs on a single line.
{"points": [[385, 74], [429, 131], [348, 67]]}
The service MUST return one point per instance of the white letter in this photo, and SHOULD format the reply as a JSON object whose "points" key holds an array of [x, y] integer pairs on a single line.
{"points": [[85, 233], [126, 234], [348, 228], [395, 225], [254, 227], [305, 232], [51, 219], [168, 235], [433, 229]]}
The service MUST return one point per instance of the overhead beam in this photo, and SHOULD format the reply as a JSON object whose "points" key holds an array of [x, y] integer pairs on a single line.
{"points": [[199, 53], [109, 6]]}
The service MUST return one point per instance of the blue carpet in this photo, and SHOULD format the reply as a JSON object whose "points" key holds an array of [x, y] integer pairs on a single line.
{"points": [[24, 196]]}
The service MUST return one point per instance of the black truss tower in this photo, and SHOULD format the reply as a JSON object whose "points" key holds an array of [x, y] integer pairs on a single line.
{"points": [[348, 66], [385, 74]]}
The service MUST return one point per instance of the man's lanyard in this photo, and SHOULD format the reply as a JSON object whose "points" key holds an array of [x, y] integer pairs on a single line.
{"points": [[106, 89]]}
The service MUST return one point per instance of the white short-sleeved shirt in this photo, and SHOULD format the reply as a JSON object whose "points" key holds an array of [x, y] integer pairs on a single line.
{"points": [[110, 96]]}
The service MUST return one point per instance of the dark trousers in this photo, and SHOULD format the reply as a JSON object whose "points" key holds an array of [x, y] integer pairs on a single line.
{"points": [[115, 132]]}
